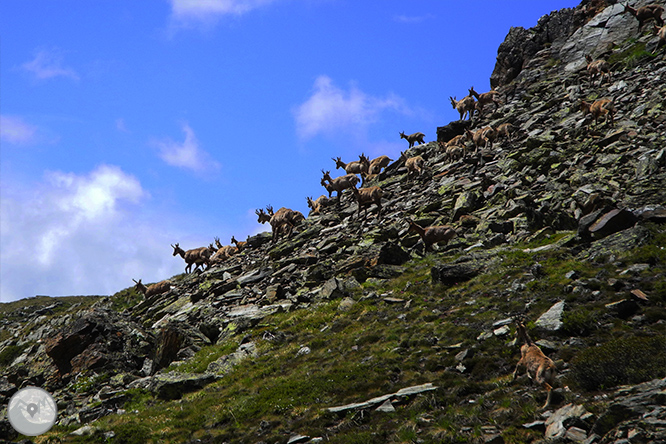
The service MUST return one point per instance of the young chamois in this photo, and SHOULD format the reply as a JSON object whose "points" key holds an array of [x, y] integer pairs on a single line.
{"points": [[597, 68], [223, 252], [454, 151], [485, 99], [153, 289], [366, 197], [378, 163], [196, 256], [506, 130], [241, 245], [464, 106], [645, 13], [413, 138], [661, 33], [338, 184], [432, 235], [316, 205], [360, 166], [539, 367], [283, 219], [600, 107], [413, 164]]}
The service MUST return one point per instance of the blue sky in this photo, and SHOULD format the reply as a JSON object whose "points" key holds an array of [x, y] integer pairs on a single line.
{"points": [[126, 126]]}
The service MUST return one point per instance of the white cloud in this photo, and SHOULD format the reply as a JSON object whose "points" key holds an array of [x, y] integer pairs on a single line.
{"points": [[331, 109], [187, 154], [207, 11], [80, 234], [48, 64], [410, 19], [16, 131]]}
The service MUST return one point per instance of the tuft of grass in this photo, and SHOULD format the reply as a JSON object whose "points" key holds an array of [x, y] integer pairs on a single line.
{"points": [[629, 360]]}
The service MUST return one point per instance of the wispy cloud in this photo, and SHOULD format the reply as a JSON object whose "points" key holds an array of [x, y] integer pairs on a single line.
{"points": [[121, 126], [186, 154], [16, 131], [410, 19], [191, 12], [49, 63], [79, 233], [331, 109]]}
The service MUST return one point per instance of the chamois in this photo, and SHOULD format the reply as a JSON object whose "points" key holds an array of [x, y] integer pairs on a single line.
{"points": [[452, 151], [196, 256], [153, 289], [600, 107], [485, 98], [432, 235], [482, 137], [413, 138], [282, 219], [223, 252], [597, 67], [338, 184], [465, 106], [241, 245], [378, 163], [367, 196], [505, 130], [645, 13], [315, 205], [414, 164], [661, 33], [538, 366], [355, 167]]}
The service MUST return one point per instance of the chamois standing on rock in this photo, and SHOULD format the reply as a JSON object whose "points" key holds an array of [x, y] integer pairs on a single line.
{"points": [[506, 130], [366, 197], [482, 137], [283, 219], [315, 205], [452, 152], [645, 13], [413, 164], [378, 163], [196, 256], [153, 289], [484, 99], [539, 367], [464, 106], [432, 235], [338, 184], [413, 138], [661, 33], [597, 67], [223, 252], [241, 245], [600, 107], [355, 167]]}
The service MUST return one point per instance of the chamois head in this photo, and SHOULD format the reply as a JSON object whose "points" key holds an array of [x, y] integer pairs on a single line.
{"points": [[176, 249], [218, 243], [262, 217]]}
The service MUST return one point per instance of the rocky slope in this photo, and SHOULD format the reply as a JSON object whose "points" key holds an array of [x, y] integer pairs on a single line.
{"points": [[563, 224]]}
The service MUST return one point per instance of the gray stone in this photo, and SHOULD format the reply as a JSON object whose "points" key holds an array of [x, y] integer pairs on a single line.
{"points": [[552, 319]]}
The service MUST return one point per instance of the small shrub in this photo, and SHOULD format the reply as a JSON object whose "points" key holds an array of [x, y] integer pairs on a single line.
{"points": [[9, 353], [579, 322], [131, 434], [629, 360]]}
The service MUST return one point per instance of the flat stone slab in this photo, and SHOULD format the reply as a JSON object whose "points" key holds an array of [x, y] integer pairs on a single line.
{"points": [[409, 391]]}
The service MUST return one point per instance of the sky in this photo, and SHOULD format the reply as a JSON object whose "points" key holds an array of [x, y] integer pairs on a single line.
{"points": [[127, 126]]}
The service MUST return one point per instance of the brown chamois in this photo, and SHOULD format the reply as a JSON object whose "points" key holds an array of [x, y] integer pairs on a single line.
{"points": [[452, 149], [223, 252], [360, 166], [153, 289], [661, 33], [241, 245], [413, 164], [196, 256], [600, 107], [432, 235], [645, 13], [378, 163], [539, 367], [465, 106], [597, 68], [316, 205], [366, 197], [485, 99], [283, 219], [413, 138], [506, 130], [482, 137], [338, 184]]}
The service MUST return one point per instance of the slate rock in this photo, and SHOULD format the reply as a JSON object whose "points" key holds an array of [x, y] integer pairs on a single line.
{"points": [[452, 274]]}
